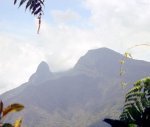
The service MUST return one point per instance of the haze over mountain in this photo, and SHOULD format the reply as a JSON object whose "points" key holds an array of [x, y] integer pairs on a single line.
{"points": [[81, 96]]}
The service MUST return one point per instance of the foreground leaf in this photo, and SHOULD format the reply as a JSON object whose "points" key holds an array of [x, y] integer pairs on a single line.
{"points": [[18, 123], [35, 7], [7, 125], [1, 108], [12, 108]]}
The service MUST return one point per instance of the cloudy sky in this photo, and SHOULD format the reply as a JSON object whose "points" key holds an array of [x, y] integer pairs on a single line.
{"points": [[69, 29]]}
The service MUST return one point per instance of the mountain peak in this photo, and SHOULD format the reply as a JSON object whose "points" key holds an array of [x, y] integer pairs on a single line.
{"points": [[99, 55], [42, 67], [103, 50], [99, 60], [42, 74]]}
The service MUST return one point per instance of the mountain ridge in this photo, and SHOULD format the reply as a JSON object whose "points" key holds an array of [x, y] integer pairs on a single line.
{"points": [[80, 97]]}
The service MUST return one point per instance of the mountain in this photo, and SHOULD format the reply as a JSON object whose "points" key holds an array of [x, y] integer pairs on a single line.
{"points": [[80, 97], [42, 74]]}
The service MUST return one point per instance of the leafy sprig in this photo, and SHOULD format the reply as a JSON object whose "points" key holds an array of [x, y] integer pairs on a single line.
{"points": [[127, 55], [35, 7], [9, 109], [137, 100]]}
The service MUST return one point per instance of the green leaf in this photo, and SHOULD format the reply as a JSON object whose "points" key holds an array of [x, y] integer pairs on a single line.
{"points": [[7, 125], [132, 125], [136, 101]]}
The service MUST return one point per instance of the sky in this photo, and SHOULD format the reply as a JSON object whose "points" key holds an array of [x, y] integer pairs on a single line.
{"points": [[69, 29]]}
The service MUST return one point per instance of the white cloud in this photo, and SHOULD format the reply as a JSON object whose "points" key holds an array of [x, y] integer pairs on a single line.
{"points": [[120, 24], [131, 14], [18, 60], [113, 23], [60, 45], [65, 44], [66, 16]]}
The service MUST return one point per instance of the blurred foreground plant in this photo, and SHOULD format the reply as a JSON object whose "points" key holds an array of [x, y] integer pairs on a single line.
{"points": [[9, 109], [136, 110]]}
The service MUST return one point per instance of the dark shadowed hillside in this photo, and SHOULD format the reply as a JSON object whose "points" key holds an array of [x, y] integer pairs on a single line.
{"points": [[80, 97]]}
